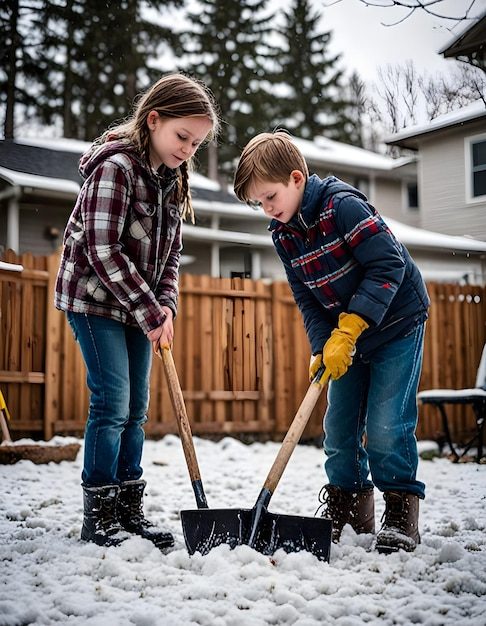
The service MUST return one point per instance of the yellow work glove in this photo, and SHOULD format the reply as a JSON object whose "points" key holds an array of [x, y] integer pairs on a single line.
{"points": [[339, 349]]}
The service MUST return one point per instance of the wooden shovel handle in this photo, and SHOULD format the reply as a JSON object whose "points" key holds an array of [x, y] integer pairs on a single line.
{"points": [[4, 428], [183, 424], [294, 434]]}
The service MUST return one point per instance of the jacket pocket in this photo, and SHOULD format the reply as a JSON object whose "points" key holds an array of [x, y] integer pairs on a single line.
{"points": [[95, 289]]}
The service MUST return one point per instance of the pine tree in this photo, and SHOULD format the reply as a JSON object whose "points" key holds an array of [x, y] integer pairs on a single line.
{"points": [[19, 25], [89, 61], [309, 73], [226, 48], [107, 48]]}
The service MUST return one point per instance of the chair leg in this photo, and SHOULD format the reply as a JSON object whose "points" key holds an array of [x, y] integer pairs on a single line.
{"points": [[480, 412], [445, 426]]}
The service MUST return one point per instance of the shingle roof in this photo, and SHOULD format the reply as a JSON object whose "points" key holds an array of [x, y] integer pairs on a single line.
{"points": [[39, 161], [63, 164]]}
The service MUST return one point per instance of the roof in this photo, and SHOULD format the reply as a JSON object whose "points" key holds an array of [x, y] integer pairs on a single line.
{"points": [[324, 151], [408, 137], [471, 40], [52, 164]]}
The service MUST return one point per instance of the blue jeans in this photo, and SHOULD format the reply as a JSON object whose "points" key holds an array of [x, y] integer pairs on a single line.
{"points": [[118, 360], [377, 397]]}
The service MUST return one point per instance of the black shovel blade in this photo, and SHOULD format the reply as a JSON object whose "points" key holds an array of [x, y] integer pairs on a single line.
{"points": [[204, 529]]}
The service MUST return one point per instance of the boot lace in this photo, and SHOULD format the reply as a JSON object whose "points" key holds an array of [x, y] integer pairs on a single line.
{"points": [[395, 512], [107, 519], [331, 501]]}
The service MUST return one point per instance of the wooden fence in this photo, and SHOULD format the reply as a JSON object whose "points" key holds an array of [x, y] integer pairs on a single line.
{"points": [[240, 350]]}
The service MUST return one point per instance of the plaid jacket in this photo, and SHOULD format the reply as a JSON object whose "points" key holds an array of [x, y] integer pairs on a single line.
{"points": [[122, 243], [339, 255]]}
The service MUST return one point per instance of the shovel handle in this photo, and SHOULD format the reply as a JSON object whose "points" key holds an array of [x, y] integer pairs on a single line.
{"points": [[183, 424], [295, 432], [3, 425]]}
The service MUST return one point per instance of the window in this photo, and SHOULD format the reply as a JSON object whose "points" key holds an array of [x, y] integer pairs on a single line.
{"points": [[475, 168], [412, 196], [478, 169]]}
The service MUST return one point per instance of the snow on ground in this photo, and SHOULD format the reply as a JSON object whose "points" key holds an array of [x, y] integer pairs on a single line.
{"points": [[47, 576]]}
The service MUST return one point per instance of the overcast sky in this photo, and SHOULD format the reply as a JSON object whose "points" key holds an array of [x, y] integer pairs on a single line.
{"points": [[365, 43]]}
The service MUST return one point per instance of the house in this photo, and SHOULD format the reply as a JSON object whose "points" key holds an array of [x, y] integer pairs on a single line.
{"points": [[390, 184], [452, 170], [39, 182], [452, 151]]}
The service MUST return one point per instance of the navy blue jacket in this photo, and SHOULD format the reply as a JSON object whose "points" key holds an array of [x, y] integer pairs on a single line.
{"points": [[340, 256]]}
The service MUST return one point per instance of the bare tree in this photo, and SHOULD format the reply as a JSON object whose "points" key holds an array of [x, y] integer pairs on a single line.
{"points": [[398, 91], [432, 7], [406, 97]]}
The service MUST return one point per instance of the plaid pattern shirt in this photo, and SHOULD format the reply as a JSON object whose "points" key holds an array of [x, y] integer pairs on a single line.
{"points": [[122, 243], [340, 256]]}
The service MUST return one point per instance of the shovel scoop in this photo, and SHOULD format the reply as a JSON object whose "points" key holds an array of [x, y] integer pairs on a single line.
{"points": [[205, 528]]}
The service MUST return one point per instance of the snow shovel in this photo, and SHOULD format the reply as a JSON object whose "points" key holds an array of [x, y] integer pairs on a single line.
{"points": [[266, 532]]}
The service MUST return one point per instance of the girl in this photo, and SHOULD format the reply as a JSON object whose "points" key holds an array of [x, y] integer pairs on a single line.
{"points": [[118, 283]]}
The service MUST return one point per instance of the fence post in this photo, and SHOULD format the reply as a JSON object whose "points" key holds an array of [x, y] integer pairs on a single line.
{"points": [[54, 320]]}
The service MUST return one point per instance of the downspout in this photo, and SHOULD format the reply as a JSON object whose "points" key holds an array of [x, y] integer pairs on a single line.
{"points": [[13, 229]]}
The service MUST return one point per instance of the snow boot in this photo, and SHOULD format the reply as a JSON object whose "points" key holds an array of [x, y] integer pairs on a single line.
{"points": [[131, 516], [356, 508], [100, 524], [400, 523]]}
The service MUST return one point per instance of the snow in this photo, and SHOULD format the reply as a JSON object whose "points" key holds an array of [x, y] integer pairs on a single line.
{"points": [[421, 238], [11, 267], [21, 179], [324, 150], [50, 577], [472, 111]]}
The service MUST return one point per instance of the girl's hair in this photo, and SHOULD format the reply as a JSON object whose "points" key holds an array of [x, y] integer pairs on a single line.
{"points": [[172, 96], [268, 157]]}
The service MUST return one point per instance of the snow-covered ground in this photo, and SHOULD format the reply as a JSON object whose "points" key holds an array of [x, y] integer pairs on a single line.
{"points": [[47, 576]]}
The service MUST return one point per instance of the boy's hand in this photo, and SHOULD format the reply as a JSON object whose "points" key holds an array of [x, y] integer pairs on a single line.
{"points": [[339, 349]]}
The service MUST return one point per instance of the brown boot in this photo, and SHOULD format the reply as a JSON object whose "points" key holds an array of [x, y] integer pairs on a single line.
{"points": [[400, 523], [356, 508]]}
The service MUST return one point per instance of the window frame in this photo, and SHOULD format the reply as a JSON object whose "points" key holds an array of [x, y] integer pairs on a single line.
{"points": [[469, 173]]}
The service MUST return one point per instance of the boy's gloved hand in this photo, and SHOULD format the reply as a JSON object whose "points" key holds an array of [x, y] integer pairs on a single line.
{"points": [[338, 350]]}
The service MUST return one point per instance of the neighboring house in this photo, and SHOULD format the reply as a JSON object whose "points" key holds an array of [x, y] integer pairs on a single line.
{"points": [[39, 182], [452, 170], [452, 150], [390, 184]]}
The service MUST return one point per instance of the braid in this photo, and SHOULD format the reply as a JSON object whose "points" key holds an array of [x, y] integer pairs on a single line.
{"points": [[185, 193]]}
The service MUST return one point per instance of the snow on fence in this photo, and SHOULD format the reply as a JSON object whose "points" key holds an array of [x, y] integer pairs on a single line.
{"points": [[240, 351]]}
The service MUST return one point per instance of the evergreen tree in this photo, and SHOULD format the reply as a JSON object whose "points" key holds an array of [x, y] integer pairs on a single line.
{"points": [[226, 48], [19, 27], [106, 53], [312, 104], [88, 59]]}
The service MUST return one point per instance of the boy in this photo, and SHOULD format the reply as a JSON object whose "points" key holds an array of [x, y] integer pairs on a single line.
{"points": [[364, 306]]}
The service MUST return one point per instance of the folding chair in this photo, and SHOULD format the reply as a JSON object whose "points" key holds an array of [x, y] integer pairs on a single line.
{"points": [[476, 397]]}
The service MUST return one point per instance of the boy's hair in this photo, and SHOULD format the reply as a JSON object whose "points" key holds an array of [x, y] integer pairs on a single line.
{"points": [[267, 157], [172, 96]]}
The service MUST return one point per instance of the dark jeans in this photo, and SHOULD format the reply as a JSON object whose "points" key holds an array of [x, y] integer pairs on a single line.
{"points": [[118, 360], [378, 397]]}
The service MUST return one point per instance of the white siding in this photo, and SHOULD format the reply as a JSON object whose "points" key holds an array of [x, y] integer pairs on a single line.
{"points": [[443, 186]]}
